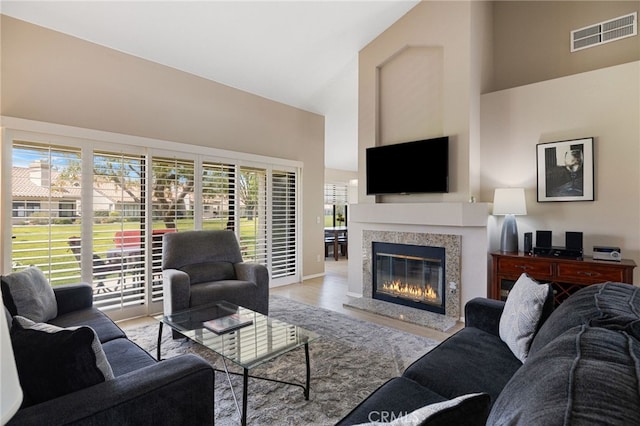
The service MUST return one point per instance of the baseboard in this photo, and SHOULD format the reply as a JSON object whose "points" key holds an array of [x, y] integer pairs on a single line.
{"points": [[310, 277]]}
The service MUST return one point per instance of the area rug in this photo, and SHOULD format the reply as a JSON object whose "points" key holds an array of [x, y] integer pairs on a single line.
{"points": [[350, 359]]}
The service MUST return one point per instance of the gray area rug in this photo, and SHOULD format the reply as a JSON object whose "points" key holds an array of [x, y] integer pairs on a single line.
{"points": [[350, 359]]}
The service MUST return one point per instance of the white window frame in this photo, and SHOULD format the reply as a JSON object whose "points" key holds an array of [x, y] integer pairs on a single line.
{"points": [[89, 140]]}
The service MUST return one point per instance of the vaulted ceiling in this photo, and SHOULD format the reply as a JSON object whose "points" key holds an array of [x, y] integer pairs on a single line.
{"points": [[302, 53]]}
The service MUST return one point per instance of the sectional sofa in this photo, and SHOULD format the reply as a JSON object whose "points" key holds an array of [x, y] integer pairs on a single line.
{"points": [[581, 367]]}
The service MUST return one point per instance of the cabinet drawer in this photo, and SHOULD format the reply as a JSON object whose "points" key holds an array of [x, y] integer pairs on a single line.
{"points": [[589, 274], [537, 269]]}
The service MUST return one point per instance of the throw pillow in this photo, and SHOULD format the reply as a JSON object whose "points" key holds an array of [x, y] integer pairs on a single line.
{"points": [[32, 295], [54, 361], [101, 359], [521, 316], [464, 410]]}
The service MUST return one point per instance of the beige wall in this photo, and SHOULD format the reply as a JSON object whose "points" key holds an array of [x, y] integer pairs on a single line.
{"points": [[532, 40], [604, 104], [594, 93], [423, 78], [51, 77], [339, 176], [419, 79]]}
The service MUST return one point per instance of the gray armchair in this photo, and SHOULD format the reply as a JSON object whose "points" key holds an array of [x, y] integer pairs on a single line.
{"points": [[200, 267]]}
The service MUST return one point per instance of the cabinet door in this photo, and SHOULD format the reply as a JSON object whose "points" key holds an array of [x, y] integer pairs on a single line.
{"points": [[537, 269], [504, 287], [589, 273]]}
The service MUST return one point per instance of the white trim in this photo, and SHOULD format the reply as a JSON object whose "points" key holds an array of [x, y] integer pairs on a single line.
{"points": [[101, 136], [281, 282], [5, 200], [13, 128], [354, 294], [310, 277]]}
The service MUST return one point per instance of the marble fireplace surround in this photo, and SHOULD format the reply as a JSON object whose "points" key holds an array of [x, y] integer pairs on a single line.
{"points": [[461, 228], [451, 245]]}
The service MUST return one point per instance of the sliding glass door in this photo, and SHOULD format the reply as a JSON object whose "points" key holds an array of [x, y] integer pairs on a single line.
{"points": [[84, 212]]}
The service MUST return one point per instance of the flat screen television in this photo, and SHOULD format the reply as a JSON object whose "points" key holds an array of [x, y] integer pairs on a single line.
{"points": [[408, 168]]}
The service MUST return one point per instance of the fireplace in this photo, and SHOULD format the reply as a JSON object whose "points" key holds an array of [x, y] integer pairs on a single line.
{"points": [[409, 275]]}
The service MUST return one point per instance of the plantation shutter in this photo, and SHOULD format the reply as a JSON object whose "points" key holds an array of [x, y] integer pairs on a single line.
{"points": [[218, 196], [97, 212], [335, 194], [119, 237], [283, 224], [46, 186], [252, 193], [172, 208]]}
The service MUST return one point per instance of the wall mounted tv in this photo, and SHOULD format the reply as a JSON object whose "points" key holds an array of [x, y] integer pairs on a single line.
{"points": [[408, 168]]}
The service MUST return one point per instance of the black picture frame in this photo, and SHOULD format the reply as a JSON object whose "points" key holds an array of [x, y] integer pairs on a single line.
{"points": [[565, 170]]}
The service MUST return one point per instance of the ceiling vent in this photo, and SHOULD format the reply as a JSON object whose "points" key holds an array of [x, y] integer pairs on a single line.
{"points": [[604, 32]]}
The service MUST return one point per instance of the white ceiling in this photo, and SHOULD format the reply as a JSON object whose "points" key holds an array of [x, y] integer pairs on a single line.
{"points": [[302, 53]]}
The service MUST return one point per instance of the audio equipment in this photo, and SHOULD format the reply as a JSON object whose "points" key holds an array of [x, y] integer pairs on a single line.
{"points": [[573, 240], [528, 243], [607, 253], [543, 239], [560, 252]]}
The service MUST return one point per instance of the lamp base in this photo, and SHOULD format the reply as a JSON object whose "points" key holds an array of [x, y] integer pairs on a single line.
{"points": [[509, 236]]}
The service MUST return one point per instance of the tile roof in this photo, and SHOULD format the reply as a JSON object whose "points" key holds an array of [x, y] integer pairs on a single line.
{"points": [[24, 187]]}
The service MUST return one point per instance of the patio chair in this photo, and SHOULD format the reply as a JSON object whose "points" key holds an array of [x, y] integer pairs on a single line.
{"points": [[102, 268]]}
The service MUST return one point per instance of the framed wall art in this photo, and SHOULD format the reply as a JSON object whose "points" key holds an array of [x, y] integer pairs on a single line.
{"points": [[565, 170]]}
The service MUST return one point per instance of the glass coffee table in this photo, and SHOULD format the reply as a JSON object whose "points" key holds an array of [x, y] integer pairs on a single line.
{"points": [[250, 340]]}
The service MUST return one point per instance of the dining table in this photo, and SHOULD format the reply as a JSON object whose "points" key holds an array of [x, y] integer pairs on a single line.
{"points": [[335, 234]]}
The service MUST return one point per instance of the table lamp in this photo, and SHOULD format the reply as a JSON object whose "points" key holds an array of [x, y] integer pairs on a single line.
{"points": [[11, 392], [509, 202]]}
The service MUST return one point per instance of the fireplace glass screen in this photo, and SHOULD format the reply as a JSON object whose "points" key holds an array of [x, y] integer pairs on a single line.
{"points": [[409, 275]]}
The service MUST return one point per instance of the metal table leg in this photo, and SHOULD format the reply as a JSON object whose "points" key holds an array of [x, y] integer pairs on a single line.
{"points": [[245, 384], [159, 341], [308, 384], [245, 392]]}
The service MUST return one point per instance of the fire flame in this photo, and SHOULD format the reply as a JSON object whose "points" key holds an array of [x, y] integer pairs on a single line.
{"points": [[399, 288]]}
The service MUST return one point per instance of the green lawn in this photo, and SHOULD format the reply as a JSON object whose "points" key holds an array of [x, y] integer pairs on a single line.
{"points": [[48, 247]]}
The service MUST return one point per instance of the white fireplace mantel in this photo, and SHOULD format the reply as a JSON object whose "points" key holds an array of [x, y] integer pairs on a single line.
{"points": [[430, 214], [469, 220]]}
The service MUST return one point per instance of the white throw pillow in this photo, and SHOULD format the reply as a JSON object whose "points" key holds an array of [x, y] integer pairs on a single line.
{"points": [[521, 315]]}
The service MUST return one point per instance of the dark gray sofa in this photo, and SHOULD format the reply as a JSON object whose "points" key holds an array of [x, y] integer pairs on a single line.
{"points": [[144, 391], [582, 369]]}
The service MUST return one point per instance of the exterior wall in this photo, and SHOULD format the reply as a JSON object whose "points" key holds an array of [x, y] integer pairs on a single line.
{"points": [[52, 77]]}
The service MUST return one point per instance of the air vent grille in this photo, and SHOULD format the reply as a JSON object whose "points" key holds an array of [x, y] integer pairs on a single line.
{"points": [[604, 32]]}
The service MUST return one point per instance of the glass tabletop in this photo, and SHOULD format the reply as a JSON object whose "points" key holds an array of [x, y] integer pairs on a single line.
{"points": [[251, 340]]}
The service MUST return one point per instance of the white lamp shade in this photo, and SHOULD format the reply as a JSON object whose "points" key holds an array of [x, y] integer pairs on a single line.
{"points": [[10, 389], [509, 201]]}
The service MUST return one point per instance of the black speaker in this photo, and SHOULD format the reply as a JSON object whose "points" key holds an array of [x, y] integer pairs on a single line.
{"points": [[528, 243], [573, 240], [543, 239]]}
